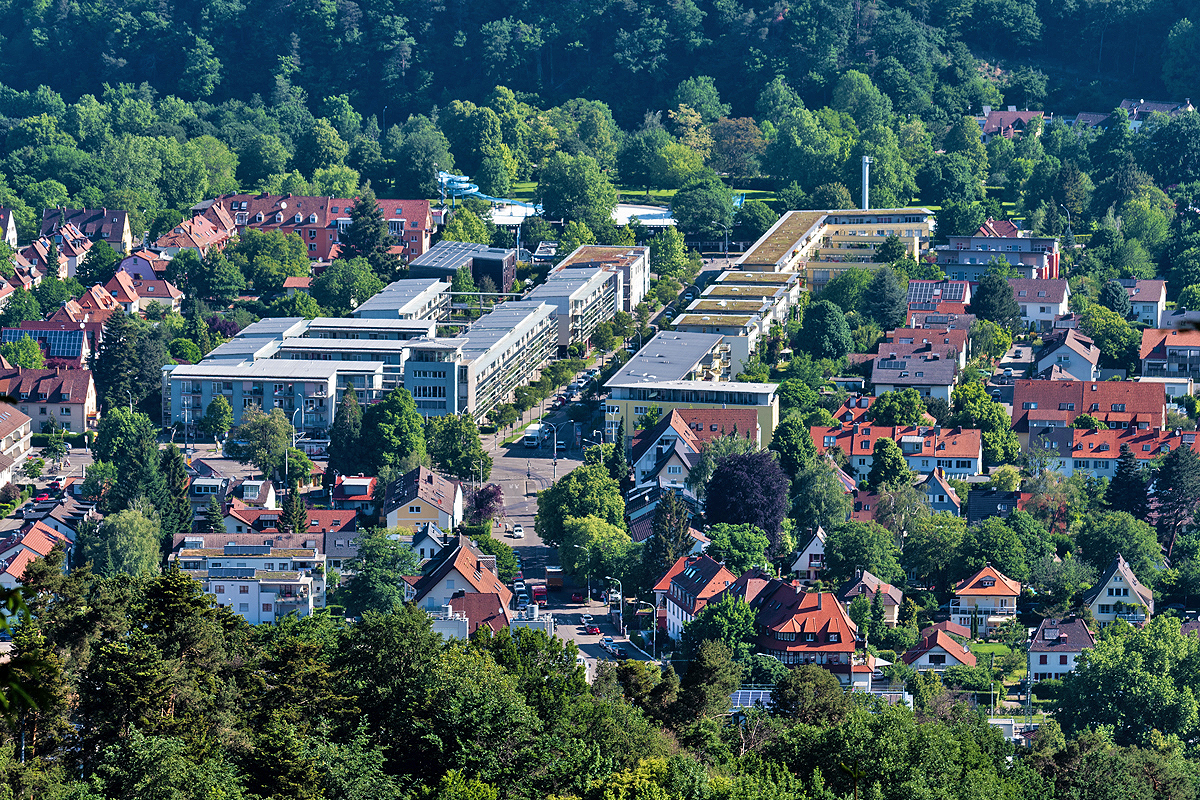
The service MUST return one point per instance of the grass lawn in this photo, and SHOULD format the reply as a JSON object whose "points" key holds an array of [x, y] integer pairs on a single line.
{"points": [[981, 649]]}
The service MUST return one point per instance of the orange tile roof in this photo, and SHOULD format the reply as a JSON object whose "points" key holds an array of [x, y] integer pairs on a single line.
{"points": [[940, 638], [1145, 402], [859, 439], [1156, 340], [978, 584]]}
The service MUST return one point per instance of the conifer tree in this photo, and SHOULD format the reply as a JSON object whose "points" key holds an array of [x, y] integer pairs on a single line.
{"points": [[1127, 490], [213, 520], [345, 435], [294, 516], [878, 619], [116, 362], [175, 513]]}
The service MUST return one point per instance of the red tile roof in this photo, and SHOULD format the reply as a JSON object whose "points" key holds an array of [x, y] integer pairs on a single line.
{"points": [[694, 580], [1006, 124], [1146, 445], [709, 423], [940, 639], [1156, 340], [1038, 290], [294, 282], [1003, 229], [988, 582], [197, 233], [948, 627], [481, 609], [59, 385], [1145, 403], [938, 442], [940, 338], [804, 620]]}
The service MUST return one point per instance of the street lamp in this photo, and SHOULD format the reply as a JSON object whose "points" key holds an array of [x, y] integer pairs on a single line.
{"points": [[653, 627], [130, 401], [587, 574], [1070, 227], [620, 605], [554, 471]]}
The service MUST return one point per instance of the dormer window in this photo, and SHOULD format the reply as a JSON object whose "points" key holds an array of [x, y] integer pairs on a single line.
{"points": [[298, 218], [278, 216], [312, 218], [988, 582], [258, 217]]}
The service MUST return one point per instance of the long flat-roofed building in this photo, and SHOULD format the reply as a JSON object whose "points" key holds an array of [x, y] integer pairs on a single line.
{"points": [[412, 298], [741, 331], [584, 299], [632, 262], [822, 244], [477, 370], [678, 370]]}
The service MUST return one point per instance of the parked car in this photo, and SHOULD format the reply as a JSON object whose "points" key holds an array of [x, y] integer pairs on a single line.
{"points": [[585, 619], [621, 653], [41, 497], [518, 531], [607, 641], [518, 586], [577, 598], [592, 630]]}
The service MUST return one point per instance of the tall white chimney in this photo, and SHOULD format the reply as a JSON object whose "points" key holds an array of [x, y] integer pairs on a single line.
{"points": [[866, 178]]}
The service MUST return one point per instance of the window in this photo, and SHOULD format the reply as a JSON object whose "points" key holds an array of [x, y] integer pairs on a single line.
{"points": [[243, 589], [1029, 406], [674, 470], [1066, 406], [244, 607], [639, 410], [862, 462], [1042, 659], [220, 588], [1105, 608], [1118, 406], [266, 606], [833, 637], [414, 509], [65, 411], [1062, 659], [937, 659]]}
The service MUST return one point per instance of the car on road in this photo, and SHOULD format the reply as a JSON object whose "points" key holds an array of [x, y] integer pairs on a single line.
{"points": [[621, 653], [585, 619], [518, 531], [560, 445], [42, 497], [607, 640], [592, 630], [518, 586], [577, 598]]}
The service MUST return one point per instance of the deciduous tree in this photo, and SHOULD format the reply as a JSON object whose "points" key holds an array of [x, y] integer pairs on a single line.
{"points": [[749, 489]]}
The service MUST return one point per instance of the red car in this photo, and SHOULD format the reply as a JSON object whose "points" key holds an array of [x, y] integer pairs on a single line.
{"points": [[592, 630], [42, 497], [577, 598]]}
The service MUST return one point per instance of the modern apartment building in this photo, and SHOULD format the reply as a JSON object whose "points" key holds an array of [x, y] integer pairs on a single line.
{"points": [[678, 370], [412, 298], [479, 369], [446, 258], [966, 258], [584, 298], [741, 332], [257, 582], [632, 262]]}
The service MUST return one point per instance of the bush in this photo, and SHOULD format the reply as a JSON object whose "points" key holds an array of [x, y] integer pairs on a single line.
{"points": [[40, 440], [1048, 689], [481, 531]]}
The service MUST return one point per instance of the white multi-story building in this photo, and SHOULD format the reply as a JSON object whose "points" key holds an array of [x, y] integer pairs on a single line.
{"points": [[584, 298], [259, 583], [633, 264]]}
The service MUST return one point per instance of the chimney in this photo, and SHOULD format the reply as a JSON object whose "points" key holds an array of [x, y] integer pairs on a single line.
{"points": [[937, 430], [866, 182]]}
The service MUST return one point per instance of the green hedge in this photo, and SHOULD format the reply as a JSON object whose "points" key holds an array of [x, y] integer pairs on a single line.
{"points": [[42, 439]]}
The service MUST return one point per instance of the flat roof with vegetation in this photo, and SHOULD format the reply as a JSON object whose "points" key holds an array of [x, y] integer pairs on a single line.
{"points": [[777, 243]]}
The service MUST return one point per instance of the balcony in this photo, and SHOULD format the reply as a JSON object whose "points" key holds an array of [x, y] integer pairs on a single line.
{"points": [[984, 610], [1132, 617]]}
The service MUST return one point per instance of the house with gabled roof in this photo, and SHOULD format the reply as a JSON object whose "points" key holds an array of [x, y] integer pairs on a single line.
{"points": [[467, 612], [1076, 355], [809, 562], [946, 341], [8, 227], [423, 496], [958, 451], [931, 369], [690, 583], [1039, 405], [1148, 298], [1056, 646], [864, 583], [355, 492], [134, 295], [939, 493], [937, 652], [797, 626], [1041, 301], [109, 224], [428, 540], [707, 424], [1010, 124], [20, 549], [989, 597], [665, 453], [461, 566], [1120, 595], [984, 503], [198, 234]]}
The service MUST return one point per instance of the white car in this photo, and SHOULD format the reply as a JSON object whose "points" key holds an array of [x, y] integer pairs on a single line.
{"points": [[518, 587], [585, 619], [518, 531]]}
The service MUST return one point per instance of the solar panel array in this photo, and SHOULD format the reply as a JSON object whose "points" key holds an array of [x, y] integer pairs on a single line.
{"points": [[247, 550], [231, 572], [748, 698], [927, 292], [61, 343]]}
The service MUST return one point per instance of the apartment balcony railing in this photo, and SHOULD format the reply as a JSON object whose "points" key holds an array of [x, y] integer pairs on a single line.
{"points": [[957, 607]]}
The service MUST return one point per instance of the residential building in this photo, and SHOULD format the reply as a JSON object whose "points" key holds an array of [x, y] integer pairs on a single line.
{"points": [[707, 424], [796, 626], [294, 284], [1056, 646], [583, 300], [353, 492], [259, 583], [1180, 319], [62, 345], [868, 585], [865, 505], [8, 227], [641, 504], [410, 298], [1039, 405], [144, 265], [330, 533], [633, 263], [35, 258], [678, 370], [20, 548], [949, 342], [688, 586], [665, 453], [96, 305], [468, 611], [938, 651], [1075, 356], [957, 451], [202, 488], [311, 386], [428, 540], [199, 234], [1041, 301], [253, 493], [1140, 111], [779, 291], [1095, 453], [67, 395], [810, 560], [925, 368], [107, 224], [967, 257], [69, 513], [855, 409], [940, 494], [446, 258], [319, 221], [1010, 123], [984, 503], [1171, 353], [952, 628], [936, 293], [742, 332], [134, 295], [1148, 299], [423, 496], [920, 316], [481, 367], [1120, 595], [461, 566], [1174, 388], [988, 597]]}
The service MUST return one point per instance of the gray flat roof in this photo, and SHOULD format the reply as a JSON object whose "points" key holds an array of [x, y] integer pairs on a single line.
{"points": [[266, 368], [398, 294], [668, 356], [354, 323], [454, 255], [566, 282], [699, 386], [273, 327], [503, 320], [244, 348], [344, 344]]}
